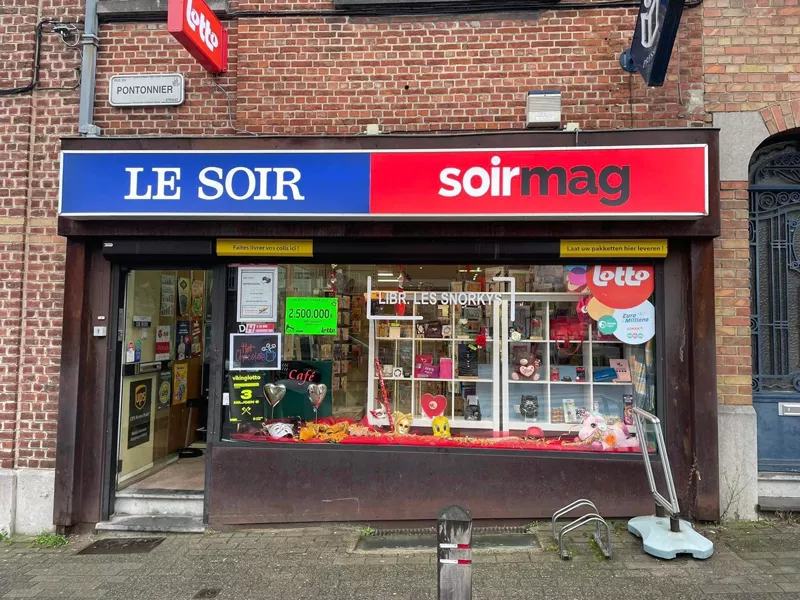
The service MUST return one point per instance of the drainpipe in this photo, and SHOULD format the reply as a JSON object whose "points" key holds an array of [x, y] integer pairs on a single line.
{"points": [[89, 43]]}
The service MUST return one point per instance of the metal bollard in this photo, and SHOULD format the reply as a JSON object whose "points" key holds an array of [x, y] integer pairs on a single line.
{"points": [[454, 536]]}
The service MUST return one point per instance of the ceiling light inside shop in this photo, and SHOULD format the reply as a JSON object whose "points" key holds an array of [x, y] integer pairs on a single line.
{"points": [[478, 270], [387, 280], [385, 274]]}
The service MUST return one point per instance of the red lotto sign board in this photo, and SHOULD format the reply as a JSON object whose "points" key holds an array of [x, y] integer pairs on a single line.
{"points": [[198, 29]]}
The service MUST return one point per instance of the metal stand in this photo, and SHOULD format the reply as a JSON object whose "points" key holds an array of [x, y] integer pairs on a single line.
{"points": [[665, 535], [592, 517]]}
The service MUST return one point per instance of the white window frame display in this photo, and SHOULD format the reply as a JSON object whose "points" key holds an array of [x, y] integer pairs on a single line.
{"points": [[418, 418], [505, 418], [511, 421]]}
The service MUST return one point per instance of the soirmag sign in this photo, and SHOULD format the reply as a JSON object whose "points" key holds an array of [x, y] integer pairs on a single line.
{"points": [[311, 316]]}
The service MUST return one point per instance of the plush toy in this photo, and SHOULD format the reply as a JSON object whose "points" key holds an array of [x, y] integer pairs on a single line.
{"points": [[600, 435], [527, 369], [441, 427]]}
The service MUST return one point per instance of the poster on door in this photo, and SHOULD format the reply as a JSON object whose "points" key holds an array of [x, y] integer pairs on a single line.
{"points": [[183, 340], [139, 410], [197, 338], [247, 397], [167, 296], [257, 294], [164, 398], [184, 296], [179, 382], [163, 343]]}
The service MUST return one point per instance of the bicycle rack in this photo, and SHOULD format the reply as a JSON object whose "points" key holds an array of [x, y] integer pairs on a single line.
{"points": [[592, 517], [664, 535]]}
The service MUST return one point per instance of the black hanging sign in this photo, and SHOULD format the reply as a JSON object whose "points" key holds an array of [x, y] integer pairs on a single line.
{"points": [[656, 29], [255, 352]]}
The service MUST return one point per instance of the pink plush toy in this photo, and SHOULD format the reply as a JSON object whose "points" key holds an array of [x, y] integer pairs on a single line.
{"points": [[602, 436]]}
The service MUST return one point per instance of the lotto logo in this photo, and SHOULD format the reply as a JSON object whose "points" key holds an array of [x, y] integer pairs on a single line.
{"points": [[621, 287]]}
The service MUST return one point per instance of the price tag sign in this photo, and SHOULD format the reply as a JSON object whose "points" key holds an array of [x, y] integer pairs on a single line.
{"points": [[311, 316]]}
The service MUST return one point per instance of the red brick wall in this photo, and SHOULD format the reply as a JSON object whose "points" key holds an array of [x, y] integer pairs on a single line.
{"points": [[752, 63], [299, 76], [31, 290]]}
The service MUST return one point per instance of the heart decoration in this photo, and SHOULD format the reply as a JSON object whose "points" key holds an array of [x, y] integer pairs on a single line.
{"points": [[433, 406], [316, 394], [527, 370], [274, 393]]}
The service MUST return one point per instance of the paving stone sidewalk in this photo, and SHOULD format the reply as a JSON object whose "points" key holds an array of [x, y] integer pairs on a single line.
{"points": [[752, 561]]}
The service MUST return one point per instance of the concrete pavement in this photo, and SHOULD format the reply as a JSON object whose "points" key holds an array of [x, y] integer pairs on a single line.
{"points": [[753, 561]]}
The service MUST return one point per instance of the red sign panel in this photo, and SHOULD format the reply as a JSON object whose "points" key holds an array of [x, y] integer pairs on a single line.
{"points": [[613, 182], [198, 30]]}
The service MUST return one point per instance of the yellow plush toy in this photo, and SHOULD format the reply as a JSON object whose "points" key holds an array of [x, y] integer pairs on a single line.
{"points": [[441, 427]]}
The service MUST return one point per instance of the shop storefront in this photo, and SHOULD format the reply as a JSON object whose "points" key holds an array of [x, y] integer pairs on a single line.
{"points": [[370, 328]]}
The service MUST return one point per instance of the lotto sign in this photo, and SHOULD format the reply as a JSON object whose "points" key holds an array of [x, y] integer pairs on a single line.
{"points": [[197, 28], [635, 325], [311, 316], [621, 287]]}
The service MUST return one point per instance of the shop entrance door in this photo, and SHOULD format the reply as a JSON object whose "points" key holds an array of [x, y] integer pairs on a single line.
{"points": [[163, 336]]}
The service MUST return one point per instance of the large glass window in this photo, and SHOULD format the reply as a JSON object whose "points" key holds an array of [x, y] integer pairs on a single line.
{"points": [[541, 357]]}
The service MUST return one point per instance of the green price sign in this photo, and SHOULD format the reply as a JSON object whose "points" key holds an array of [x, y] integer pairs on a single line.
{"points": [[311, 316]]}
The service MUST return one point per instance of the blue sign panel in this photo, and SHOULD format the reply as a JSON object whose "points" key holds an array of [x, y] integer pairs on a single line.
{"points": [[163, 184]]}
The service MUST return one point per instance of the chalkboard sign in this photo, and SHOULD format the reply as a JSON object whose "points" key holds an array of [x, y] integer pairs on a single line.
{"points": [[255, 352]]}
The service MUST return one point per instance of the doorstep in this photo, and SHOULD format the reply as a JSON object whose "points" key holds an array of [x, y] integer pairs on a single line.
{"points": [[153, 524], [778, 491]]}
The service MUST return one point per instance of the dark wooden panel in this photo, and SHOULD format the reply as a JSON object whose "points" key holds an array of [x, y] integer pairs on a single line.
{"points": [[82, 449], [305, 484], [69, 385], [704, 382], [676, 396]]}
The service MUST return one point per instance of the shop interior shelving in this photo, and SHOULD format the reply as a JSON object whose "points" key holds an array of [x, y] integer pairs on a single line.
{"points": [[604, 397], [405, 392]]}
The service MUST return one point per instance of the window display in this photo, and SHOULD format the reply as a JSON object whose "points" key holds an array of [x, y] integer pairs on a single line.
{"points": [[446, 355]]}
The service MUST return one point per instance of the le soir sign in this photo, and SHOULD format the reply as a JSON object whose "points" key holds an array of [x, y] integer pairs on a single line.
{"points": [[656, 28], [199, 30]]}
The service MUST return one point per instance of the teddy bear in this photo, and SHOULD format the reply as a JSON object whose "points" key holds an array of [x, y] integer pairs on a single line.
{"points": [[527, 368]]}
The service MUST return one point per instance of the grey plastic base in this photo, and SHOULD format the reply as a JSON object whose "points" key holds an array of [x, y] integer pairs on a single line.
{"points": [[660, 542]]}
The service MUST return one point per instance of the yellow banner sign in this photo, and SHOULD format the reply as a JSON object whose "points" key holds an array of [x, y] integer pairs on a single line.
{"points": [[613, 248], [238, 247]]}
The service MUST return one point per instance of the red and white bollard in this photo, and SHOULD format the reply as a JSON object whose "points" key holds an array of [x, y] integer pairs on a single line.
{"points": [[454, 565]]}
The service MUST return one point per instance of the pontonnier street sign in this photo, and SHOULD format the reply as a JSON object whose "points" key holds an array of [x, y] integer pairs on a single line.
{"points": [[155, 89]]}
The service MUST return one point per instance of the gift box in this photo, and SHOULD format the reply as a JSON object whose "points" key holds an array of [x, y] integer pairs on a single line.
{"points": [[426, 371], [446, 368]]}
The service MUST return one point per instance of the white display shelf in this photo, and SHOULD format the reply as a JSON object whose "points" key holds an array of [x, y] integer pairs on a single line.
{"points": [[613, 383], [438, 380], [553, 427], [539, 382], [426, 424], [570, 383], [391, 339]]}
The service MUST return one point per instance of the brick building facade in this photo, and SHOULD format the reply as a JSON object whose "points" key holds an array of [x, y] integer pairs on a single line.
{"points": [[733, 67]]}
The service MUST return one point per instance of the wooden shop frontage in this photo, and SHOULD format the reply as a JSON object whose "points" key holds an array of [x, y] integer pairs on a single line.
{"points": [[370, 328]]}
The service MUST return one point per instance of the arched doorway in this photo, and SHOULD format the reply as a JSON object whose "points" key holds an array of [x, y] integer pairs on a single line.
{"points": [[775, 302]]}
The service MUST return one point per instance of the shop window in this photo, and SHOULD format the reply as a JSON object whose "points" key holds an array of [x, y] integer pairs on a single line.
{"points": [[548, 357]]}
